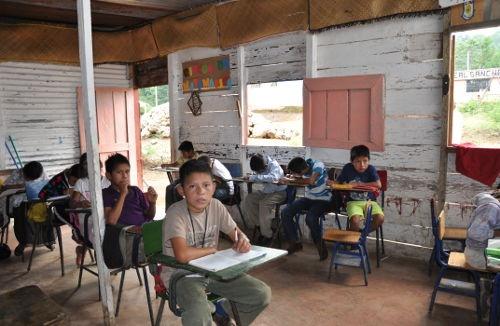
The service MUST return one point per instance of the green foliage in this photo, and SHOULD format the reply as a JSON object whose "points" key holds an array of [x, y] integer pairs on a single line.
{"points": [[484, 51], [481, 123], [476, 107], [149, 96]]}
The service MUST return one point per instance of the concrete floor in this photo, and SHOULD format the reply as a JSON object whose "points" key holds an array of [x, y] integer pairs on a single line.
{"points": [[398, 293]]}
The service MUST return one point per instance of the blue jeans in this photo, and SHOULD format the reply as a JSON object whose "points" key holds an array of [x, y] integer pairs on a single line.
{"points": [[315, 210]]}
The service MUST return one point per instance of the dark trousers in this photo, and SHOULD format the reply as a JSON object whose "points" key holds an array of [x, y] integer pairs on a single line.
{"points": [[315, 210]]}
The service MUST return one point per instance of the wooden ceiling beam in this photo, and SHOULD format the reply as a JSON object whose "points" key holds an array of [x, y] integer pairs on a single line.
{"points": [[98, 7]]}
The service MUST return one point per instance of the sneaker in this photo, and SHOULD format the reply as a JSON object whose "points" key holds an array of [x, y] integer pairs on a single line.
{"points": [[19, 249], [49, 246], [294, 247], [225, 320]]}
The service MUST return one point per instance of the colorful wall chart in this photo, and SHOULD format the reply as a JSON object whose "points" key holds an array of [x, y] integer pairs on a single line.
{"points": [[209, 74]]}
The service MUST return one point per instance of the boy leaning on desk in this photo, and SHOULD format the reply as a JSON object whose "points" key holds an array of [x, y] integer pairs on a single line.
{"points": [[191, 230]]}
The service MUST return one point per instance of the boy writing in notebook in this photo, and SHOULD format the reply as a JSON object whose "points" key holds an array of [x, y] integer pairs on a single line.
{"points": [[191, 230], [361, 172]]}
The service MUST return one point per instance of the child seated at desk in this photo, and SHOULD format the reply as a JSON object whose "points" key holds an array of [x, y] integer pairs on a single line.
{"points": [[191, 230], [187, 153], [313, 175], [360, 172], [484, 221], [123, 203], [258, 205]]}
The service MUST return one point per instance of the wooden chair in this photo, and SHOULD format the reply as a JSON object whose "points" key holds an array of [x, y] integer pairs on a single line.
{"points": [[153, 243], [454, 261], [450, 234], [358, 257]]}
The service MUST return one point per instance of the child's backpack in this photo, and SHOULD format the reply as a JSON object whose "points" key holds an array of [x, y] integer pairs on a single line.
{"points": [[122, 248]]}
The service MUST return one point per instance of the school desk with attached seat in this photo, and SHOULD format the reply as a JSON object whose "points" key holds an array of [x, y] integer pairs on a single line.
{"points": [[453, 261], [450, 234], [152, 236], [343, 238]]}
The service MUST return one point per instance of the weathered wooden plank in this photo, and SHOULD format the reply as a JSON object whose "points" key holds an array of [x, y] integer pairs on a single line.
{"points": [[282, 154], [423, 101], [212, 102], [382, 29], [281, 49], [230, 135], [412, 130], [413, 75], [277, 72], [220, 150], [394, 156], [398, 49]]}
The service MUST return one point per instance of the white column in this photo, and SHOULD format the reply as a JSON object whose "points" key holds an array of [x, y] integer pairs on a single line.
{"points": [[87, 69], [174, 75], [311, 55], [242, 85]]}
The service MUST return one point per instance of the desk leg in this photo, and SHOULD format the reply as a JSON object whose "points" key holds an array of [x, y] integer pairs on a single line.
{"points": [[170, 177]]}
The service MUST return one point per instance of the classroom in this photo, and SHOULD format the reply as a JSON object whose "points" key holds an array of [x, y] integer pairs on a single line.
{"points": [[274, 79]]}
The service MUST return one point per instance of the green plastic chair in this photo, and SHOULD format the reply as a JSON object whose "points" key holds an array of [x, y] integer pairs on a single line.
{"points": [[153, 243]]}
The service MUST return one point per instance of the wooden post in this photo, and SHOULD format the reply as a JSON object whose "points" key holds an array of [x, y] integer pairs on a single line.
{"points": [[311, 55], [174, 80], [87, 70], [443, 156], [242, 85]]}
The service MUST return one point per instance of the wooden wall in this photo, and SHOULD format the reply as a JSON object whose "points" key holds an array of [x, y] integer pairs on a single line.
{"points": [[408, 52], [38, 109]]}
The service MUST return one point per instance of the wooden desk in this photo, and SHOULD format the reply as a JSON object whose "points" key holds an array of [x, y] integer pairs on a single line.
{"points": [[228, 273], [170, 170], [30, 306]]}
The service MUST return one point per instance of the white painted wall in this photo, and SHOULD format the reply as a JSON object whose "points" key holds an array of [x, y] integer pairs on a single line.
{"points": [[408, 52], [38, 109]]}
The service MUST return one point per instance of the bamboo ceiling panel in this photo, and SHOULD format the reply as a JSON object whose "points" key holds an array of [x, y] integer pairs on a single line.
{"points": [[325, 13], [38, 43], [128, 46], [195, 28], [245, 21]]}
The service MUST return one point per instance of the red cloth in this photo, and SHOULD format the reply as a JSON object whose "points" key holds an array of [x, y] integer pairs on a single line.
{"points": [[478, 163]]}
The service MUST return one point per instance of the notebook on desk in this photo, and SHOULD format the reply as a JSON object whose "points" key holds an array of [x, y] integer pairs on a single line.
{"points": [[225, 258]]}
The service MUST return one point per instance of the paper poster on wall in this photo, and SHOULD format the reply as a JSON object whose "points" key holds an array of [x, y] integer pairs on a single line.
{"points": [[209, 74], [475, 11]]}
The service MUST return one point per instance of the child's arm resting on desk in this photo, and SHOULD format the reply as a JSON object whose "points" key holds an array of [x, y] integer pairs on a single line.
{"points": [[184, 253]]}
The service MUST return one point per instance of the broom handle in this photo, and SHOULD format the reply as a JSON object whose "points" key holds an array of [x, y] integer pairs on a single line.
{"points": [[15, 150], [12, 156]]}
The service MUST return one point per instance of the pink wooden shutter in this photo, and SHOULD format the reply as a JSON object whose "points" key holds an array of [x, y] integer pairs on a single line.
{"points": [[340, 112]]}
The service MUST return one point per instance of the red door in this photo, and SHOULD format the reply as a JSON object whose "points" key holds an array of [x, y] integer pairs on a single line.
{"points": [[118, 126]]}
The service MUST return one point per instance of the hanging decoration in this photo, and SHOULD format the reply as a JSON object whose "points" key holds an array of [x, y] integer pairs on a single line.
{"points": [[195, 103]]}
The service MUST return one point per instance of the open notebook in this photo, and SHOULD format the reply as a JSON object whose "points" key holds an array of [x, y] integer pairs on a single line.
{"points": [[225, 258]]}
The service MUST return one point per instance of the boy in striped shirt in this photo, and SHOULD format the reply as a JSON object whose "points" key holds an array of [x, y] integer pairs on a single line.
{"points": [[313, 175]]}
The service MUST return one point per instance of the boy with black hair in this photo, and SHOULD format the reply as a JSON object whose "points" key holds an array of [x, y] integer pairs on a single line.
{"points": [[62, 183], [187, 153], [191, 230], [123, 203], [360, 172], [259, 204], [313, 175]]}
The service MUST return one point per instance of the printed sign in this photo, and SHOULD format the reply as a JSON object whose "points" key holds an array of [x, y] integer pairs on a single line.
{"points": [[477, 74], [210, 74]]}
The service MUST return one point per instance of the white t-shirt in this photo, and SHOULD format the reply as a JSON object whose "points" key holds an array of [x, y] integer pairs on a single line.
{"points": [[219, 170], [83, 186]]}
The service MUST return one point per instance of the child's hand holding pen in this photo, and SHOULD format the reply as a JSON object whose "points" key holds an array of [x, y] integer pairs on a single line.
{"points": [[241, 242]]}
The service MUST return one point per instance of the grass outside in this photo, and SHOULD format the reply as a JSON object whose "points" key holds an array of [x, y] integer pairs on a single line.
{"points": [[481, 123]]}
